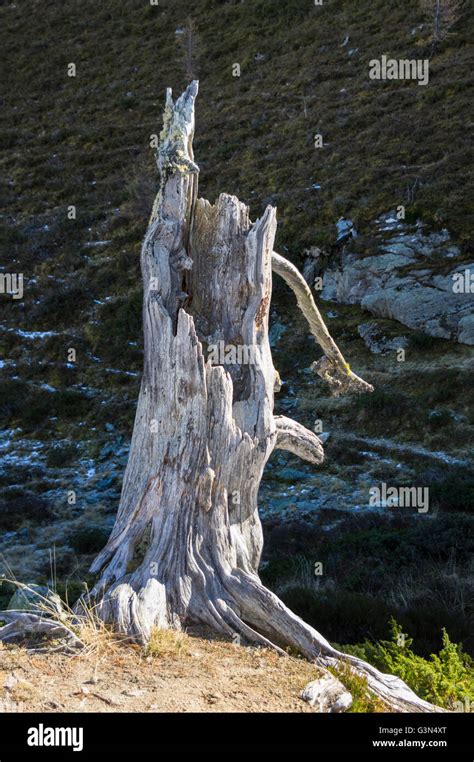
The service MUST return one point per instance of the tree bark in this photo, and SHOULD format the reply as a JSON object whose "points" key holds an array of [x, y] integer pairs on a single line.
{"points": [[187, 540]]}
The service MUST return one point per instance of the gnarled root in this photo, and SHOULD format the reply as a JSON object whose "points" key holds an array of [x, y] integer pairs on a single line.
{"points": [[236, 603], [266, 613], [21, 624]]}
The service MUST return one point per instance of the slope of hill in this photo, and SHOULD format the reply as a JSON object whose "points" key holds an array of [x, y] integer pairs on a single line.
{"points": [[84, 141], [186, 674]]}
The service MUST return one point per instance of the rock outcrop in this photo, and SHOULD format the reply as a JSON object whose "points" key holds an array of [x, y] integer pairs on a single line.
{"points": [[416, 278], [377, 342]]}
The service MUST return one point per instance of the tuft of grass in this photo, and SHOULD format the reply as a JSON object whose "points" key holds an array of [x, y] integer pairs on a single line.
{"points": [[89, 539], [166, 644], [363, 701], [83, 631], [22, 692]]}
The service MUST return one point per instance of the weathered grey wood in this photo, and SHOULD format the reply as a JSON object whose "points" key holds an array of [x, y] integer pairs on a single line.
{"points": [[20, 625], [295, 438], [332, 367], [187, 539], [202, 433]]}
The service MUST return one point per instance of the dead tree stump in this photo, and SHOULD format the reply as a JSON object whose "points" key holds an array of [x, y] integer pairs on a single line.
{"points": [[187, 539]]}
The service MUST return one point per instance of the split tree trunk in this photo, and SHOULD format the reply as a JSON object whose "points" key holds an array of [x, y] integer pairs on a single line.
{"points": [[187, 540]]}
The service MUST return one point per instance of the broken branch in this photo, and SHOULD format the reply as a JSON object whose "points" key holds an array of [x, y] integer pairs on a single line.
{"points": [[332, 367]]}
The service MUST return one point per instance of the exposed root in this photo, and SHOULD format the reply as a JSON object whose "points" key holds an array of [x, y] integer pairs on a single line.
{"points": [[244, 607], [21, 624], [263, 609], [238, 604]]}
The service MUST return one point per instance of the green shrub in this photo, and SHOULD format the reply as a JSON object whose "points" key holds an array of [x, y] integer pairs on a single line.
{"points": [[16, 512], [455, 492], [421, 341], [443, 679], [88, 540], [392, 404], [363, 701]]}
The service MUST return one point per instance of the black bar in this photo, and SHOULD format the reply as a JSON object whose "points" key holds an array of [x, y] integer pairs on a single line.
{"points": [[108, 733]]}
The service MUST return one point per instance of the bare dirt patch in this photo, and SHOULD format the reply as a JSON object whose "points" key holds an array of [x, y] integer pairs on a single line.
{"points": [[184, 674]]}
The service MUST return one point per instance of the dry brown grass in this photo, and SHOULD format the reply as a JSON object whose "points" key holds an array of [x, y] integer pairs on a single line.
{"points": [[179, 672]]}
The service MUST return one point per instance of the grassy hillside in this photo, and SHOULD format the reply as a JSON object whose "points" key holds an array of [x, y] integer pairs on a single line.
{"points": [[84, 141]]}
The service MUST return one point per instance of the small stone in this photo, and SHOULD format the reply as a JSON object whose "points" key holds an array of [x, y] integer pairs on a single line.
{"points": [[212, 698], [327, 695], [345, 230], [10, 682]]}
